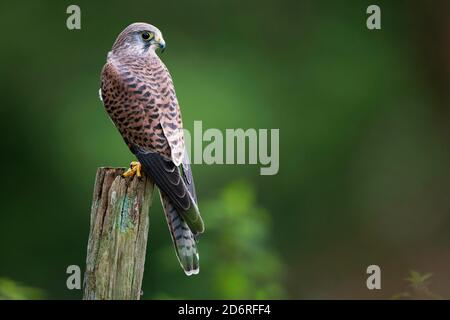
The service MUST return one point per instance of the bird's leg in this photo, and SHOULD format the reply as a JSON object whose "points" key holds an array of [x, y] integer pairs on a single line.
{"points": [[135, 169]]}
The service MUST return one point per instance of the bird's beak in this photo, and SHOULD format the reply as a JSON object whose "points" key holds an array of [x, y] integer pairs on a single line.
{"points": [[161, 43]]}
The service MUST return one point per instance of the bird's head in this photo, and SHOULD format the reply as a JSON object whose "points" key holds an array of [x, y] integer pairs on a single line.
{"points": [[139, 38]]}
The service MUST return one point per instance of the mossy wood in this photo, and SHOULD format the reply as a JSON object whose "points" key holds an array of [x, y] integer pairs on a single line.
{"points": [[118, 236]]}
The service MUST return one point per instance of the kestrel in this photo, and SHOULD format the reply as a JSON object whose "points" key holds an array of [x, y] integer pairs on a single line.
{"points": [[139, 96]]}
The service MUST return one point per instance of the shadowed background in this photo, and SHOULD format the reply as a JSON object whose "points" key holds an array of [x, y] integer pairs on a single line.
{"points": [[364, 130]]}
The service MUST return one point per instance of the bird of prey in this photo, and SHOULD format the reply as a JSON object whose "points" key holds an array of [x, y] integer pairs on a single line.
{"points": [[139, 96]]}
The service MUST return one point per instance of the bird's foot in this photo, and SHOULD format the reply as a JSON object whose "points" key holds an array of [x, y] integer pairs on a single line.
{"points": [[135, 169]]}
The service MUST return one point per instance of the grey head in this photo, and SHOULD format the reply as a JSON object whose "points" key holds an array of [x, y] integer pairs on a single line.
{"points": [[139, 39]]}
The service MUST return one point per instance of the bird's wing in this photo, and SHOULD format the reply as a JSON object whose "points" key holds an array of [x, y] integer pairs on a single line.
{"points": [[173, 181], [144, 108], [169, 110]]}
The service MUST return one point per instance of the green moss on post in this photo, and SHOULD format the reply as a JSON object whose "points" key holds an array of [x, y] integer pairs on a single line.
{"points": [[118, 236]]}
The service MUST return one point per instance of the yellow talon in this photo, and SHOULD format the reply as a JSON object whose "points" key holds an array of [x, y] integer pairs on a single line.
{"points": [[135, 169]]}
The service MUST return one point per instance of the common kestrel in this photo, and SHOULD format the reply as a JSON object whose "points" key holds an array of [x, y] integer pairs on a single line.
{"points": [[139, 96]]}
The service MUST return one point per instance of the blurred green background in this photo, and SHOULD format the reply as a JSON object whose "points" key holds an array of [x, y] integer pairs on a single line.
{"points": [[364, 144]]}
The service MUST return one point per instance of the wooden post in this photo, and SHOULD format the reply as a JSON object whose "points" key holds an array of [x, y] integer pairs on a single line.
{"points": [[118, 236]]}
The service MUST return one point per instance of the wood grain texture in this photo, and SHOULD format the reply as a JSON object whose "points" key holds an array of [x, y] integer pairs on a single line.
{"points": [[118, 236]]}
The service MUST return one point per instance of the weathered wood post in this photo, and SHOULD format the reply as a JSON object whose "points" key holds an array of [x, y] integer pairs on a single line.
{"points": [[118, 236]]}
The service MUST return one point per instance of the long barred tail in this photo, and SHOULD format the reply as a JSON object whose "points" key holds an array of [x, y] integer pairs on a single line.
{"points": [[183, 239]]}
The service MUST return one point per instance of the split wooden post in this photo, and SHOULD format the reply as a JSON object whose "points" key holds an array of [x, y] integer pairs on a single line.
{"points": [[118, 236]]}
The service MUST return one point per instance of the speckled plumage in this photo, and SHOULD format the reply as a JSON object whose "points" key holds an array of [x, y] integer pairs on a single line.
{"points": [[139, 96]]}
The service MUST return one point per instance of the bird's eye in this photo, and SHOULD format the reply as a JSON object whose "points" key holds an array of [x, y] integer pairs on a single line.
{"points": [[147, 35]]}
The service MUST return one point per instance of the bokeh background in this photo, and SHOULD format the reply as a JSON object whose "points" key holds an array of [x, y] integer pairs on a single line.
{"points": [[364, 145]]}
